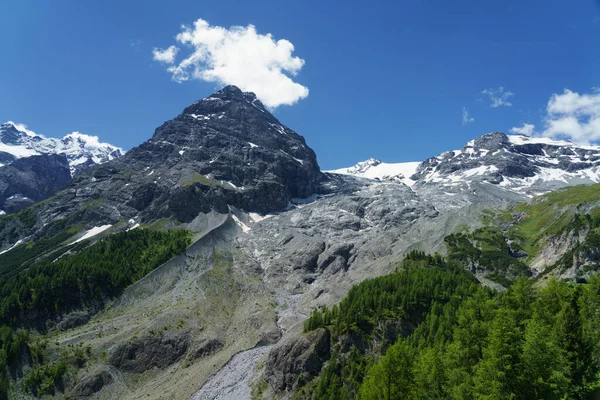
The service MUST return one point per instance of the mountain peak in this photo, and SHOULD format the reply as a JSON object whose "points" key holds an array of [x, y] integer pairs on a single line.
{"points": [[21, 128], [225, 99], [16, 141], [491, 141], [229, 91]]}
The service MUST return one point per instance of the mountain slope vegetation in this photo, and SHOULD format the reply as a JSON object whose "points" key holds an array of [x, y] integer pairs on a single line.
{"points": [[49, 289], [471, 342]]}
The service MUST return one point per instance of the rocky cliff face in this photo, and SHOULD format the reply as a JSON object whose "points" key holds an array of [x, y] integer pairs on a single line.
{"points": [[224, 149], [31, 179]]}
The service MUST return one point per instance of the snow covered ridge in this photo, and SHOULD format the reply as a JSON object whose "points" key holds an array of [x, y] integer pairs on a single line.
{"points": [[522, 164], [376, 169], [81, 150]]}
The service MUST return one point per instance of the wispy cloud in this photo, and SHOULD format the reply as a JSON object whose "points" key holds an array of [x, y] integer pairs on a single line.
{"points": [[166, 56], [525, 129], [239, 56], [466, 118], [498, 97], [570, 115], [136, 44]]}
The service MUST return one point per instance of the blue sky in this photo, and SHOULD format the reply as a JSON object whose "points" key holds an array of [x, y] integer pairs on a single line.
{"points": [[389, 80]]}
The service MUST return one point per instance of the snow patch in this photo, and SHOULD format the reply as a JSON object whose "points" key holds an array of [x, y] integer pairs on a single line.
{"points": [[18, 151], [13, 246], [92, 232], [245, 228], [289, 155], [133, 227], [257, 217]]}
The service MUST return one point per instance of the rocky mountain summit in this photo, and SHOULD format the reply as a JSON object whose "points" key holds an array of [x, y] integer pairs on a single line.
{"points": [[228, 149], [81, 151], [224, 150]]}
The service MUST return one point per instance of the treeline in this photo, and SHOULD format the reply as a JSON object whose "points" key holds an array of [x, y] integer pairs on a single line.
{"points": [[51, 288], [525, 344], [472, 343], [95, 273], [405, 295], [377, 310]]}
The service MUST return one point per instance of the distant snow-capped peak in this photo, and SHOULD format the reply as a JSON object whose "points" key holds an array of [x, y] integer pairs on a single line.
{"points": [[528, 165], [519, 163], [376, 169], [81, 150]]}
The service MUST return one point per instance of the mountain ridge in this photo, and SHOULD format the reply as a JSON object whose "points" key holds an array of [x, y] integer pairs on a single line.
{"points": [[81, 150], [524, 164]]}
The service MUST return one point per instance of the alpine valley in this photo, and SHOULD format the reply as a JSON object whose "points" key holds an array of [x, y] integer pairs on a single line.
{"points": [[217, 261]]}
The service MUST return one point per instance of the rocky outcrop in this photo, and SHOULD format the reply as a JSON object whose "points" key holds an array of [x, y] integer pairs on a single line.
{"points": [[91, 383], [297, 358], [152, 351], [73, 320], [207, 348], [554, 248]]}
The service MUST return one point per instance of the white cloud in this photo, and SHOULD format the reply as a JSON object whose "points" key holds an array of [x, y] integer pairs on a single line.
{"points": [[237, 56], [166, 56], [525, 129], [574, 116], [571, 116], [572, 103], [498, 96], [466, 119]]}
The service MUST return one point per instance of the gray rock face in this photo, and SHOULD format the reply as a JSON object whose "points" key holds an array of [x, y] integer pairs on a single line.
{"points": [[73, 320], [207, 348], [300, 358], [229, 142], [31, 179], [152, 351], [90, 384]]}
